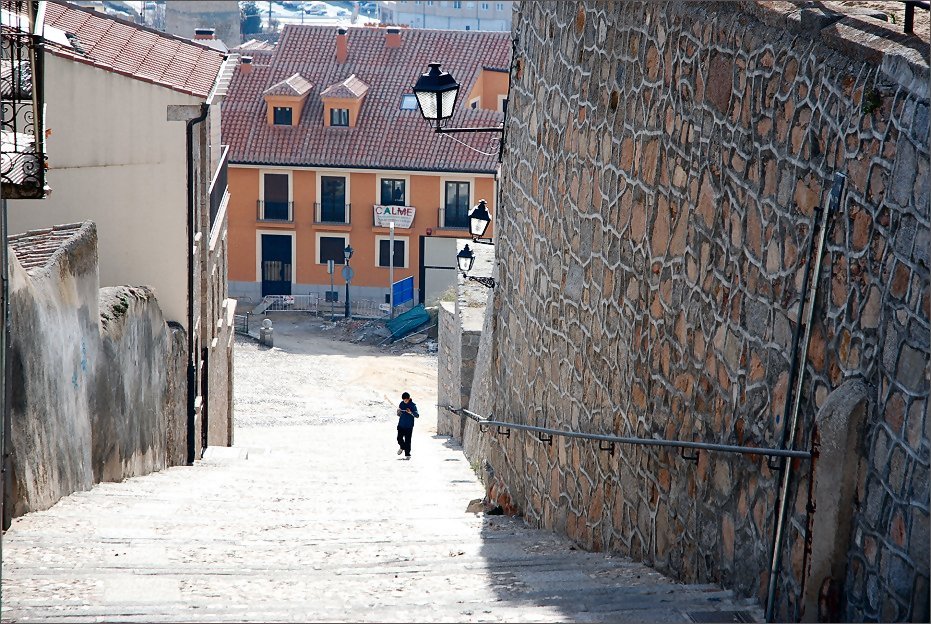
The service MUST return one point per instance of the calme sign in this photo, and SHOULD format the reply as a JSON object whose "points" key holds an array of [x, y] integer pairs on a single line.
{"points": [[402, 216]]}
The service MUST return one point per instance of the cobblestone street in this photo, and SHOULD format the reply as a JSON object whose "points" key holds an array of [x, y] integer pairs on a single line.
{"points": [[312, 516]]}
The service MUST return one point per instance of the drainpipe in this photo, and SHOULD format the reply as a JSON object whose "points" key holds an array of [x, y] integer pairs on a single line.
{"points": [[191, 228]]}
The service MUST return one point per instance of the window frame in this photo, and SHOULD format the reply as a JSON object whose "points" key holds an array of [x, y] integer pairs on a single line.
{"points": [[318, 247], [445, 199], [381, 190], [329, 173], [397, 239], [277, 109], [338, 111], [290, 201], [258, 252]]}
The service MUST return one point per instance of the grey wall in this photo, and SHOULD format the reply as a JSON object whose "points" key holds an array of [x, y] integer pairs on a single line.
{"points": [[663, 166], [98, 380]]}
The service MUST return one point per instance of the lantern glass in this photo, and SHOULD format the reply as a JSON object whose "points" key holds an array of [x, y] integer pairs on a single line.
{"points": [[436, 93], [479, 219], [348, 252], [465, 259]]}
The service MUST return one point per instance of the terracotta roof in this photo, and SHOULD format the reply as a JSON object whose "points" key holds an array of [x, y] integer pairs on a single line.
{"points": [[132, 50], [385, 136], [352, 87], [38, 248], [252, 45], [296, 85]]}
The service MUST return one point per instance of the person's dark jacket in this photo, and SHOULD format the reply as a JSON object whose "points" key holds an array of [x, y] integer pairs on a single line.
{"points": [[407, 412]]}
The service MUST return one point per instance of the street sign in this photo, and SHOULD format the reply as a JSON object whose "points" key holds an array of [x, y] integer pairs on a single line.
{"points": [[403, 291], [348, 273], [329, 266]]}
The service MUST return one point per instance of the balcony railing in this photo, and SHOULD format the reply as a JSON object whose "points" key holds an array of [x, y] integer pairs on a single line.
{"points": [[332, 214], [219, 185], [275, 211], [453, 220], [22, 137]]}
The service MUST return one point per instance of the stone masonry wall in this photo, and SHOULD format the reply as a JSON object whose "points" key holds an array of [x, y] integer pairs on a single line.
{"points": [[98, 380], [664, 164]]}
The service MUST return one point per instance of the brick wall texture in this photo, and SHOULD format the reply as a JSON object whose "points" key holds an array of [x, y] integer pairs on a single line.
{"points": [[663, 167]]}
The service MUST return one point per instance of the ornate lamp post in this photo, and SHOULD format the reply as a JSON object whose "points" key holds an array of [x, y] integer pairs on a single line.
{"points": [[437, 92], [347, 274], [465, 259]]}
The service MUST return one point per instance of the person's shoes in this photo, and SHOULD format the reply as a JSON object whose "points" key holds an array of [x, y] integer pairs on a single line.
{"points": [[407, 457], [400, 451]]}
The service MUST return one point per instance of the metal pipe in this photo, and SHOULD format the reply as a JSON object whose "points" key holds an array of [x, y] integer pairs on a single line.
{"points": [[704, 446], [776, 560], [4, 379], [191, 227]]}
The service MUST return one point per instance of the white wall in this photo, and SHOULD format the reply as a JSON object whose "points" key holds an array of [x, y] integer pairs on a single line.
{"points": [[115, 160]]}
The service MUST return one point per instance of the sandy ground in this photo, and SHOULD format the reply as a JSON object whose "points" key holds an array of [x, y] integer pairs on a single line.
{"points": [[310, 377]]}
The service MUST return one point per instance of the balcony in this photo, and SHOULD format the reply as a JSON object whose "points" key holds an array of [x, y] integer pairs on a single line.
{"points": [[332, 214], [275, 211], [453, 220], [22, 138], [218, 186]]}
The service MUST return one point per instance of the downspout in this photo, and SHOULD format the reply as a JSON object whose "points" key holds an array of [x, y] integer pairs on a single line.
{"points": [[191, 227]]}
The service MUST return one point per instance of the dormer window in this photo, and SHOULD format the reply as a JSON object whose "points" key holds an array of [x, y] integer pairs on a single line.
{"points": [[282, 115], [339, 117], [342, 102], [284, 100]]}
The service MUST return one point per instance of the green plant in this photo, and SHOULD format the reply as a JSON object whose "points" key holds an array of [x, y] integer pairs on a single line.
{"points": [[872, 100]]}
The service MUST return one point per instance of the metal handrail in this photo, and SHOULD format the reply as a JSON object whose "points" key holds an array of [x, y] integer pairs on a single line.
{"points": [[684, 444], [320, 220]]}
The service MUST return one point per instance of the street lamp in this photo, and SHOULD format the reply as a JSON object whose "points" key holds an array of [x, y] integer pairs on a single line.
{"points": [[347, 274], [437, 92], [479, 219], [465, 259]]}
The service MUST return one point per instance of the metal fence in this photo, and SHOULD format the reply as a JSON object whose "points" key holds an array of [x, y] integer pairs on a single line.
{"points": [[241, 323], [314, 304]]}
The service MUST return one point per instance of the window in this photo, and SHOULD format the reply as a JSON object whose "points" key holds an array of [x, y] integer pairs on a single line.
{"points": [[504, 105], [485, 6], [282, 115], [333, 199], [456, 213], [392, 192], [473, 104], [400, 247], [408, 102], [331, 248], [339, 116], [276, 197], [470, 5], [457, 5], [499, 6]]}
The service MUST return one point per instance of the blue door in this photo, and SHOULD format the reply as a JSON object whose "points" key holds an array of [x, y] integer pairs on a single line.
{"points": [[276, 264]]}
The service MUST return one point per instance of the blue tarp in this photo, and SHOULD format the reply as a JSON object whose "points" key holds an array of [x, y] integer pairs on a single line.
{"points": [[405, 323]]}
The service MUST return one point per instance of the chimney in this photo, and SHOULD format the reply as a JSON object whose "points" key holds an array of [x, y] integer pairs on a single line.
{"points": [[245, 64], [342, 45], [393, 38], [204, 33]]}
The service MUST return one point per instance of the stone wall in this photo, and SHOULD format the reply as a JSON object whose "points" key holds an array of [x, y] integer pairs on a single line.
{"points": [[98, 378], [664, 165]]}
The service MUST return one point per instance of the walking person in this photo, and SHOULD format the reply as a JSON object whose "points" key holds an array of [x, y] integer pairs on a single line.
{"points": [[407, 412]]}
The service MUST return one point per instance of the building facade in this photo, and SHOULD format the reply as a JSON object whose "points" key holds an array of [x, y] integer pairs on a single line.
{"points": [[183, 18], [136, 143], [448, 15], [328, 146]]}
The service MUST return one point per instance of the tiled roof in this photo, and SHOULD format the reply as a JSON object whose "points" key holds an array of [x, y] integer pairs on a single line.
{"points": [[385, 136], [37, 248], [252, 45], [352, 87], [132, 50], [296, 85]]}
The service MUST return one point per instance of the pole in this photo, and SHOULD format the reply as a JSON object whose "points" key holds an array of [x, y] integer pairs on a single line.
{"points": [[331, 266], [347, 292], [391, 269]]}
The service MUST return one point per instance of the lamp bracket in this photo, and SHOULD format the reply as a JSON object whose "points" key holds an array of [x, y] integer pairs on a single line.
{"points": [[483, 241], [487, 282]]}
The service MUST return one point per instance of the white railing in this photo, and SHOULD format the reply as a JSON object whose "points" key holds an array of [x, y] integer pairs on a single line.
{"points": [[360, 308]]}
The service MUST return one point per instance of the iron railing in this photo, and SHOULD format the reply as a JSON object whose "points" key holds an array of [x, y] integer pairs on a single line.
{"points": [[22, 137], [453, 220], [338, 214], [219, 184], [546, 434], [278, 211], [910, 6]]}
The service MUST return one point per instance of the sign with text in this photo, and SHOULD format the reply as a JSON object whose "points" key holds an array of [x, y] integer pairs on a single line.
{"points": [[402, 216], [403, 291]]}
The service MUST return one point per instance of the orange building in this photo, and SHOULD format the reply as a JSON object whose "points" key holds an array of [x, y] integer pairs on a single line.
{"points": [[327, 145]]}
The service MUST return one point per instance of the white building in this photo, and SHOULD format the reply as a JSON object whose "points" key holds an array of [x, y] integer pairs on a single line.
{"points": [[492, 15]]}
